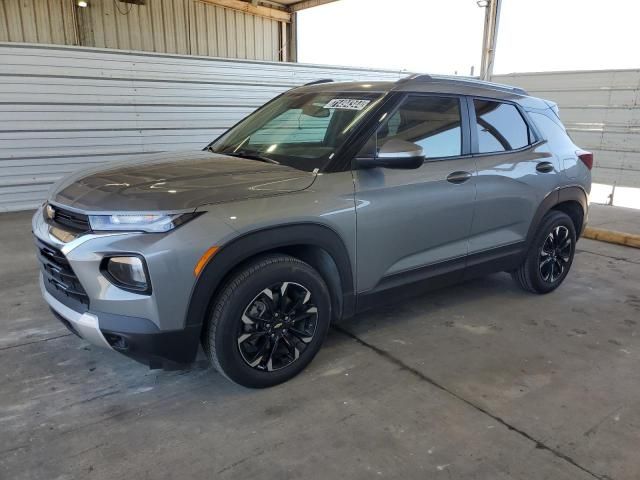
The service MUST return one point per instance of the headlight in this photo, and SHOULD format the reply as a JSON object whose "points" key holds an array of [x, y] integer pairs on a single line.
{"points": [[140, 223], [128, 273]]}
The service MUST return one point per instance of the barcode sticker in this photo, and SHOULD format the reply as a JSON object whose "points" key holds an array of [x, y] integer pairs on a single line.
{"points": [[347, 103]]}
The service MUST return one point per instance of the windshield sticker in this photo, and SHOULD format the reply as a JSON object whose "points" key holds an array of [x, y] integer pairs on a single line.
{"points": [[347, 104]]}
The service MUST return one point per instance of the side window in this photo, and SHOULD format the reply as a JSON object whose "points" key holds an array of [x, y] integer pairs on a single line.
{"points": [[552, 131], [500, 127], [431, 122]]}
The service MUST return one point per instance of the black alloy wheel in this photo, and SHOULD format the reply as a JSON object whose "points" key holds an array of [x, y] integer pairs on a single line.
{"points": [[268, 321], [550, 254], [277, 326], [555, 254]]}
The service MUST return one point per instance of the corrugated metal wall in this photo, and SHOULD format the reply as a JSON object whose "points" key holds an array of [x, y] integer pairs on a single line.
{"points": [[38, 21], [62, 108], [601, 110], [220, 32], [188, 27]]}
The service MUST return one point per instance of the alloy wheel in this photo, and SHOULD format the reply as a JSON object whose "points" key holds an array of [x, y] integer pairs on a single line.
{"points": [[555, 254], [277, 326]]}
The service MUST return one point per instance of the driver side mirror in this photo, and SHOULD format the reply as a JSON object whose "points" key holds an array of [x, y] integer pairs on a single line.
{"points": [[395, 153]]}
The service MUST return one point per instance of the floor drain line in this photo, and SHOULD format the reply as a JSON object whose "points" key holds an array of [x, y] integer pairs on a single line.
{"points": [[538, 444], [35, 341]]}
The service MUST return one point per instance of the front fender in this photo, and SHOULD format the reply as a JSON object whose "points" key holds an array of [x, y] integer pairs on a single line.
{"points": [[255, 242]]}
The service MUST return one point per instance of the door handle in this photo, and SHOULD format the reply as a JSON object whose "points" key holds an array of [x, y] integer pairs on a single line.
{"points": [[459, 177], [545, 167]]}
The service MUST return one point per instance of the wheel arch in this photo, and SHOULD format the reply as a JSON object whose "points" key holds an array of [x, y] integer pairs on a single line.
{"points": [[316, 244], [575, 211], [572, 200]]}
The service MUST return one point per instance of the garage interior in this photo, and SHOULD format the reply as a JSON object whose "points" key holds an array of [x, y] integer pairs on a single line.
{"points": [[476, 381]]}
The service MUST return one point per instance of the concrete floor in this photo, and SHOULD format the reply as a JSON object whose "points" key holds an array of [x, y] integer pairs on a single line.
{"points": [[479, 381], [619, 219]]}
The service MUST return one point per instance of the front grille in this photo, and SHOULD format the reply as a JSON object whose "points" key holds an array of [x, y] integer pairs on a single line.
{"points": [[62, 217], [59, 278]]}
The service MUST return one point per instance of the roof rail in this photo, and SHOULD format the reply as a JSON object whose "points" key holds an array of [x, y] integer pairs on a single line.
{"points": [[463, 80], [322, 80], [420, 77]]}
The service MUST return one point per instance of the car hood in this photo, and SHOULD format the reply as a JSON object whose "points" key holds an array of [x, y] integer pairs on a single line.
{"points": [[176, 181]]}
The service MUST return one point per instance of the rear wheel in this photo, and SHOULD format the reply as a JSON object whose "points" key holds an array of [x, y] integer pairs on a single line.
{"points": [[268, 322], [550, 255]]}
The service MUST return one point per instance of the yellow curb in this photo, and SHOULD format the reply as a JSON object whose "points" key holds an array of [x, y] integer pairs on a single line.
{"points": [[610, 236]]}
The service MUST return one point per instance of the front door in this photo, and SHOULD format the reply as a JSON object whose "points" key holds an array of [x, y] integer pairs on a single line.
{"points": [[415, 224]]}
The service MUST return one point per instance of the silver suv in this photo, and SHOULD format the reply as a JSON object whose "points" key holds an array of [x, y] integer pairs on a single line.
{"points": [[324, 202]]}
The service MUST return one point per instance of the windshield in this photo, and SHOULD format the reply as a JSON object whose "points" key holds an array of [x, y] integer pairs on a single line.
{"points": [[301, 130]]}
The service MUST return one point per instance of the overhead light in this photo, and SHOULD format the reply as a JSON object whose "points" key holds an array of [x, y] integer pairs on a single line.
{"points": [[82, 4]]}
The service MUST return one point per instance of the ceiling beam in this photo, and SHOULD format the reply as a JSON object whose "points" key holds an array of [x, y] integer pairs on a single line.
{"points": [[308, 4], [258, 10]]}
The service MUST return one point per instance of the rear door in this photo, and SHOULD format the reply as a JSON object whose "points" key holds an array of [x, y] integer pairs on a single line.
{"points": [[414, 224], [516, 171]]}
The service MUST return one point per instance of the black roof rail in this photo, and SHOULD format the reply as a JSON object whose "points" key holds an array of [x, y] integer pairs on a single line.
{"points": [[420, 77], [316, 82], [462, 80]]}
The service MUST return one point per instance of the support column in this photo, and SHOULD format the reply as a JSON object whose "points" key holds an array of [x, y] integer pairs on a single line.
{"points": [[292, 39], [490, 37]]}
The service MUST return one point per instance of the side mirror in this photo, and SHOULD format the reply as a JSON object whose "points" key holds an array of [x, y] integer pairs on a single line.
{"points": [[395, 153]]}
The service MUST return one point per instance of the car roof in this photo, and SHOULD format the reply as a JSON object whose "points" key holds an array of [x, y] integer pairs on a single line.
{"points": [[424, 84]]}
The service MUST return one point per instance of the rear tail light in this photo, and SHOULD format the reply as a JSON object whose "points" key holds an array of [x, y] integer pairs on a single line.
{"points": [[586, 158]]}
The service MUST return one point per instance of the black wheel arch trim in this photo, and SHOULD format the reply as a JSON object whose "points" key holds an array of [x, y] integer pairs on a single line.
{"points": [[264, 240], [572, 193]]}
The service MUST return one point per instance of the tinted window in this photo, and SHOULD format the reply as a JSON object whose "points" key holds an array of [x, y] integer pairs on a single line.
{"points": [[552, 130], [500, 127], [299, 129], [293, 126], [431, 122]]}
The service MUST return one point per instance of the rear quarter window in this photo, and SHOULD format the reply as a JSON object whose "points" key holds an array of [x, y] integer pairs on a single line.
{"points": [[500, 127], [551, 130]]}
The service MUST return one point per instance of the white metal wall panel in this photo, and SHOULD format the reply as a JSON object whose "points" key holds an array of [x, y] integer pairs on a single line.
{"points": [[601, 110], [63, 108]]}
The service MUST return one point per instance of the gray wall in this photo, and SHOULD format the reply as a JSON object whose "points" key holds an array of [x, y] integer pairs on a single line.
{"points": [[188, 27], [601, 110], [63, 108]]}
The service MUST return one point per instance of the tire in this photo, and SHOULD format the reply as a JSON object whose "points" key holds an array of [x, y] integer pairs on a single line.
{"points": [[538, 277], [250, 316]]}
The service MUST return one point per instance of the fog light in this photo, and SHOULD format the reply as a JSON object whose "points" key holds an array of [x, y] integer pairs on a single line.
{"points": [[117, 342], [128, 273]]}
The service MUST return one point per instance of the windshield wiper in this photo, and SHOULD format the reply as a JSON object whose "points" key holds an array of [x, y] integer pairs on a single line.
{"points": [[250, 155]]}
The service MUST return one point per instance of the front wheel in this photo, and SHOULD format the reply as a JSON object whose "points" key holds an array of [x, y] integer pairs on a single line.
{"points": [[269, 321], [550, 255]]}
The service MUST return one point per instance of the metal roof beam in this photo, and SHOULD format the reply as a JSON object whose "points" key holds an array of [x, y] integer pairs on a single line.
{"points": [[259, 10], [308, 4]]}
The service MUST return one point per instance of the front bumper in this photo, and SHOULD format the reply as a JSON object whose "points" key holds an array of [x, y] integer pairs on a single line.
{"points": [[136, 338], [148, 328], [85, 325]]}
